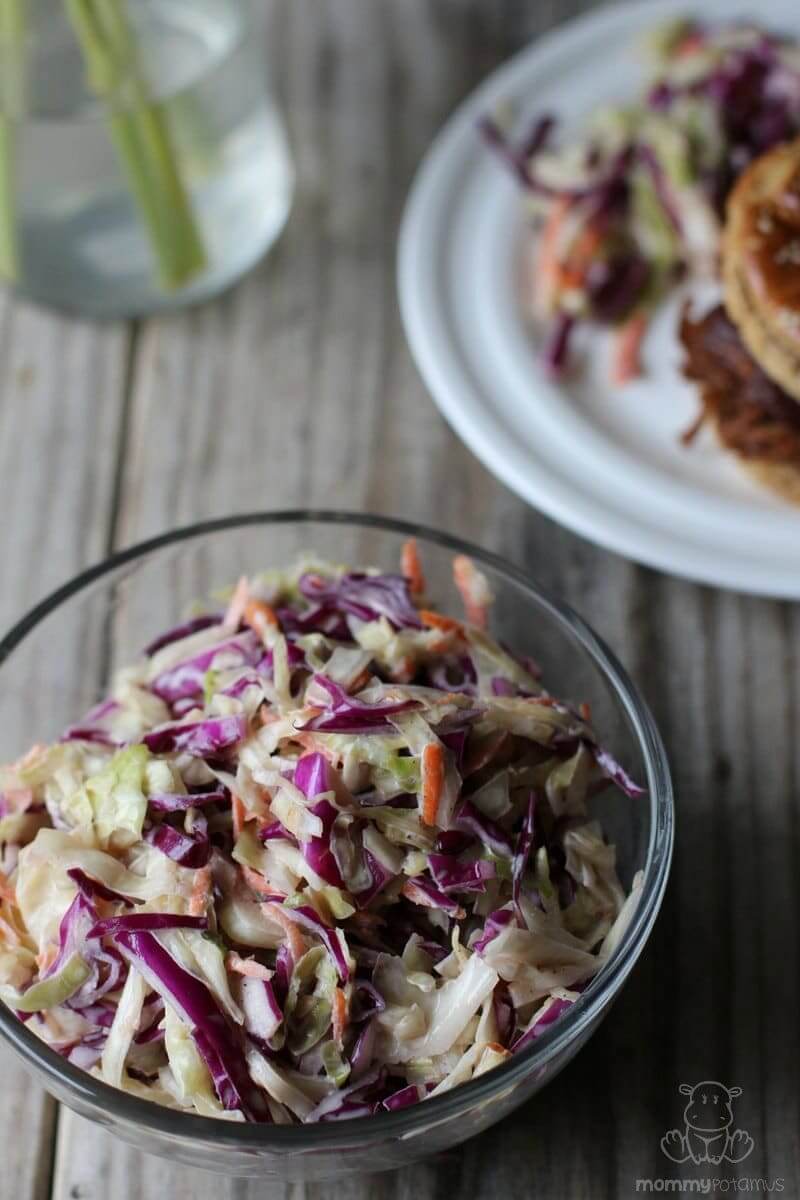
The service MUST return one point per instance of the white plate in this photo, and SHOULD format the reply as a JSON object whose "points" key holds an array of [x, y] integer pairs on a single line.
{"points": [[606, 462]]}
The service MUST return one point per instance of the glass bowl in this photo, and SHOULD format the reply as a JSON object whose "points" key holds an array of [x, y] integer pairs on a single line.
{"points": [[55, 664]]}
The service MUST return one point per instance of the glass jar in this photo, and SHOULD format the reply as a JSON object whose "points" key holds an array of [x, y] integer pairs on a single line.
{"points": [[143, 162]]}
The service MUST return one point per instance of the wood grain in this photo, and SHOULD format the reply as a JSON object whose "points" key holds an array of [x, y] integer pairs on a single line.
{"points": [[62, 386], [297, 388]]}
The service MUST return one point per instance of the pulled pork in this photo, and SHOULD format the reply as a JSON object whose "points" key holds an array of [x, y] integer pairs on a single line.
{"points": [[753, 416]]}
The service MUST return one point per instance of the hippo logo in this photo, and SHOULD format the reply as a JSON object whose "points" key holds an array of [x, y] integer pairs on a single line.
{"points": [[708, 1135]]}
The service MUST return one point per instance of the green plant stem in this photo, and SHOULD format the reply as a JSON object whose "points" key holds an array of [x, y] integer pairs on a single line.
{"points": [[12, 50], [140, 131]]}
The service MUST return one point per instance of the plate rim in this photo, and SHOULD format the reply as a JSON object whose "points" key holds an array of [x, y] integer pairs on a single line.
{"points": [[420, 268]]}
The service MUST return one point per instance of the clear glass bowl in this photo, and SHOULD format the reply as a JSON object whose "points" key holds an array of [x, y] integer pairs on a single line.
{"points": [[55, 663]]}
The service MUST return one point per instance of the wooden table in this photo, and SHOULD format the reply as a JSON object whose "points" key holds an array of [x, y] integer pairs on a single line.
{"points": [[297, 388]]}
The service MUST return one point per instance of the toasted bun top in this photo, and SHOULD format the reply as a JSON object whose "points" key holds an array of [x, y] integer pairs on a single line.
{"points": [[761, 263]]}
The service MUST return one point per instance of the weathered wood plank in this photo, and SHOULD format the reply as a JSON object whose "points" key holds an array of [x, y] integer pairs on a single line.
{"points": [[61, 400]]}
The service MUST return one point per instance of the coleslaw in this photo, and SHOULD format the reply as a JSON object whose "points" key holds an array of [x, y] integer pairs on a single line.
{"points": [[636, 200], [322, 853]]}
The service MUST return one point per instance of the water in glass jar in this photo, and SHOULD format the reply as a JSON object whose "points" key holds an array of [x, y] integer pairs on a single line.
{"points": [[81, 241]]}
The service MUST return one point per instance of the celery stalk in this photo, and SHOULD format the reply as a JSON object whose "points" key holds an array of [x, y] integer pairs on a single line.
{"points": [[12, 49], [140, 132]]}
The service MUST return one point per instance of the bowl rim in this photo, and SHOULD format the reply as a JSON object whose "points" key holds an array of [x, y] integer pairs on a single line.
{"points": [[87, 1091]]}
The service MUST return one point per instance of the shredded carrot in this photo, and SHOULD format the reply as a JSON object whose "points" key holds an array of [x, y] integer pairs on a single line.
{"points": [[411, 567], [239, 813], [30, 756], [246, 966], [255, 880], [586, 711], [434, 620], [432, 781], [6, 890], [45, 958], [360, 681], [416, 895], [260, 616], [404, 671], [237, 604], [690, 43], [297, 943], [626, 364], [10, 934], [339, 1016], [18, 799], [548, 268], [201, 892], [474, 590], [572, 273], [498, 1049]]}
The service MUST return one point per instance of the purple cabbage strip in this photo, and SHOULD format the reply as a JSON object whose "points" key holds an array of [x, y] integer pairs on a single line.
{"points": [[182, 631], [526, 176], [614, 285], [364, 1009], [367, 597], [305, 916], [189, 850], [348, 1111], [73, 932], [452, 876], [86, 733], [86, 1054], [412, 1094], [434, 896], [380, 876], [92, 889], [284, 965], [450, 841], [144, 922], [317, 852], [200, 738], [456, 742], [262, 1013], [440, 675], [90, 729], [312, 774], [75, 936], [317, 618], [188, 678], [95, 987], [541, 1024], [494, 924], [650, 159], [312, 777], [336, 1100], [363, 1053], [503, 1014], [213, 1036], [617, 774], [171, 802], [556, 347], [275, 831], [101, 1015], [349, 715], [469, 820], [151, 1019], [523, 851]]}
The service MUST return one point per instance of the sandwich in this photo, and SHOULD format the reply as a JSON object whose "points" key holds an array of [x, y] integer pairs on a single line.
{"points": [[745, 356]]}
